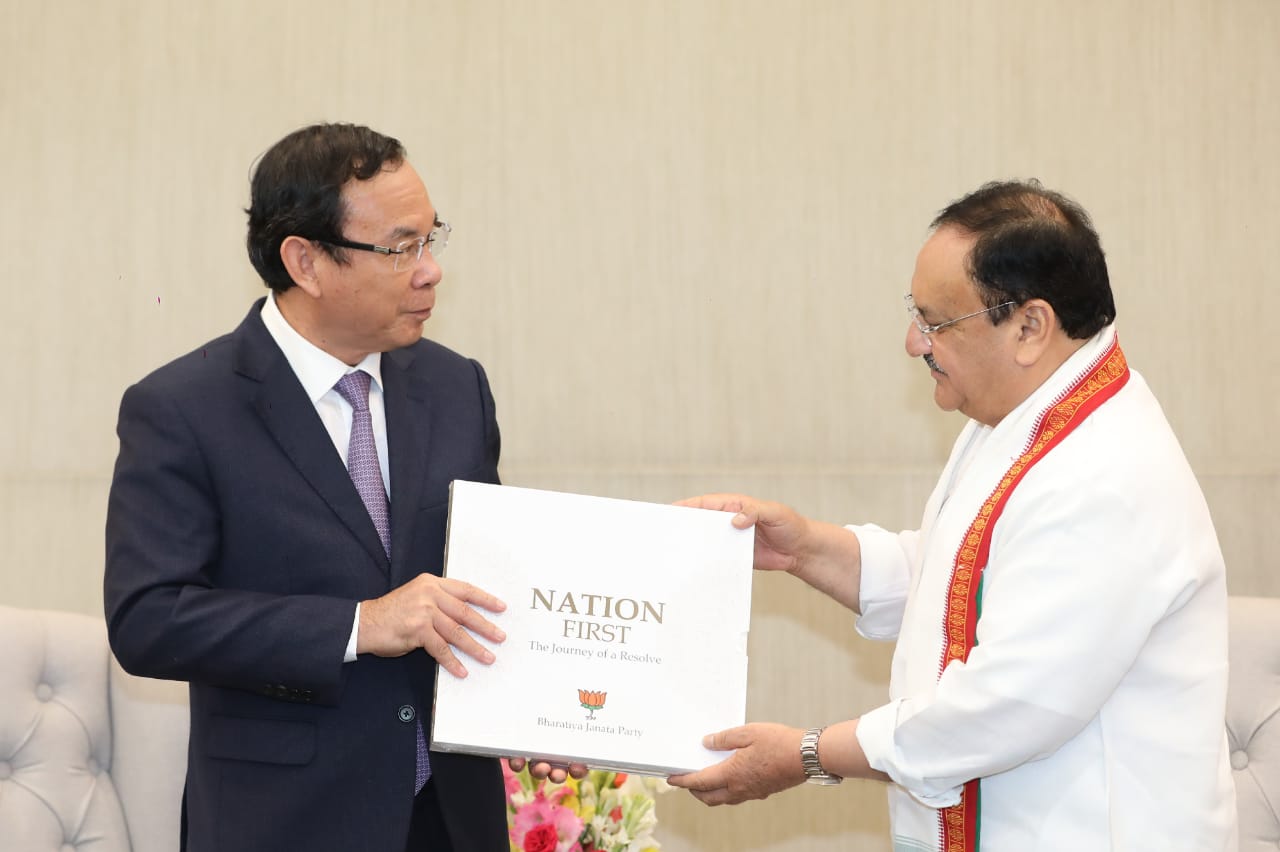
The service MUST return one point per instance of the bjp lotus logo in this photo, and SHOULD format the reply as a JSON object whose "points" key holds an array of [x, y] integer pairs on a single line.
{"points": [[593, 701]]}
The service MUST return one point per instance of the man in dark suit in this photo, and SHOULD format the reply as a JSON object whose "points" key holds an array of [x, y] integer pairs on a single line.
{"points": [[306, 611]]}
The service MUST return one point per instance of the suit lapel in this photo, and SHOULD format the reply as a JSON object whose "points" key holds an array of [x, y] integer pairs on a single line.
{"points": [[408, 410], [291, 419]]}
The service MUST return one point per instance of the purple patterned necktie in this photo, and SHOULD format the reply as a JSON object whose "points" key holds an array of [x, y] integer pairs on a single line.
{"points": [[362, 455], [366, 474]]}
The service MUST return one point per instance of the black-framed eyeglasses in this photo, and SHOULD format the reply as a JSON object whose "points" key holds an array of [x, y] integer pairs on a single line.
{"points": [[406, 253], [926, 329]]}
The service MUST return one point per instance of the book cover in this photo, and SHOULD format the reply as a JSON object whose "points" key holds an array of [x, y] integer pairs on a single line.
{"points": [[626, 629]]}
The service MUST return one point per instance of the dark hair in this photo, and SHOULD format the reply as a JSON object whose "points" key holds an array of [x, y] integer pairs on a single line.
{"points": [[297, 189], [1033, 243]]}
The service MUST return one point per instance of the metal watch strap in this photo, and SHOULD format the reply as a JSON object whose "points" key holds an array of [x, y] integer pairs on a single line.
{"points": [[813, 771]]}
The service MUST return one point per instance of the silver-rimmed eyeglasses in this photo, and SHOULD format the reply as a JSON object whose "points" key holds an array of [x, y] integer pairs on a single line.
{"points": [[406, 253], [926, 329]]}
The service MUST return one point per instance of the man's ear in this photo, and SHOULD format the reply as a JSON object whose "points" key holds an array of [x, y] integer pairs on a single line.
{"points": [[1037, 324], [299, 258]]}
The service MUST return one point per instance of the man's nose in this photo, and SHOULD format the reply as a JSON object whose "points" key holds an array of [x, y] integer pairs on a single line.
{"points": [[917, 343], [427, 271]]}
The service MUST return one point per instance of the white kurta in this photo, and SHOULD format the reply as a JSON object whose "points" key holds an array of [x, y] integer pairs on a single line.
{"points": [[1092, 706]]}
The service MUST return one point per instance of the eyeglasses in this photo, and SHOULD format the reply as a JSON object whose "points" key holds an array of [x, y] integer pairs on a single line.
{"points": [[927, 329], [406, 253]]}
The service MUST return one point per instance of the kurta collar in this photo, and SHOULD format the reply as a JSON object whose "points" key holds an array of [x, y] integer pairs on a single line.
{"points": [[1068, 373]]}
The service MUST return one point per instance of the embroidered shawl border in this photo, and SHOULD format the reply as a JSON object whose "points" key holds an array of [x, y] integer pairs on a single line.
{"points": [[958, 825]]}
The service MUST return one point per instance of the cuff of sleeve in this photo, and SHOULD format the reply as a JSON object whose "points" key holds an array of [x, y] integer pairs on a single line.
{"points": [[353, 640], [882, 590], [875, 733]]}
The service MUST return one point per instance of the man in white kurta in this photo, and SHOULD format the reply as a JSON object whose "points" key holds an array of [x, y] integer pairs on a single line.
{"points": [[1059, 681], [1092, 704]]}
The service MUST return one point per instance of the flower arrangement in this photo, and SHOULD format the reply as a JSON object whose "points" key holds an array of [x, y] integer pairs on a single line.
{"points": [[604, 812]]}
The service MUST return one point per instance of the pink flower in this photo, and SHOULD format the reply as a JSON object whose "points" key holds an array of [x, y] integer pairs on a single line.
{"points": [[616, 813], [565, 824], [511, 779]]}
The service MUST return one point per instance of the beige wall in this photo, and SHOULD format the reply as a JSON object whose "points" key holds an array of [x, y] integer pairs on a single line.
{"points": [[682, 232]]}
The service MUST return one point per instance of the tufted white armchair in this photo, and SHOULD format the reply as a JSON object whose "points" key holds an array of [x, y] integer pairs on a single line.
{"points": [[1253, 719], [91, 758]]}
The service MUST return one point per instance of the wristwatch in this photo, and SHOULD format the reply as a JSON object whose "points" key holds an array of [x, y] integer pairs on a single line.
{"points": [[813, 771]]}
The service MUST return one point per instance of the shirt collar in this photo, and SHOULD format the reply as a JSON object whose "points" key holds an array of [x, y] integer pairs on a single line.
{"points": [[317, 370]]}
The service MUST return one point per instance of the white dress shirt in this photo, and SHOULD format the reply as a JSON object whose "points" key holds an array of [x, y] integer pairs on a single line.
{"points": [[318, 371]]}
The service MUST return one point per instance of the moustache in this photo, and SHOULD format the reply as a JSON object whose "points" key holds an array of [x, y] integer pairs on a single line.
{"points": [[933, 365]]}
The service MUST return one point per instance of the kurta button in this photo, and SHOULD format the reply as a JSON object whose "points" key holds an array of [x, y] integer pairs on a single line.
{"points": [[1239, 760], [406, 713]]}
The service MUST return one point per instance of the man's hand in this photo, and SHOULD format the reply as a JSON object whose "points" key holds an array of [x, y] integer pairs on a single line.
{"points": [[766, 761], [780, 531], [825, 556], [556, 772], [433, 613]]}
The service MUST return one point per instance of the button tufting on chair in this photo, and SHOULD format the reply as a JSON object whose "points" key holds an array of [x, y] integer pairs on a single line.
{"points": [[1253, 719], [89, 756]]}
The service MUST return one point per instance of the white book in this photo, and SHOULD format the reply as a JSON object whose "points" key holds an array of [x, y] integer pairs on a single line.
{"points": [[626, 628]]}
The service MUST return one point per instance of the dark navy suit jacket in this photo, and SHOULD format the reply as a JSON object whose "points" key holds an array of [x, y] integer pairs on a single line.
{"points": [[237, 548]]}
